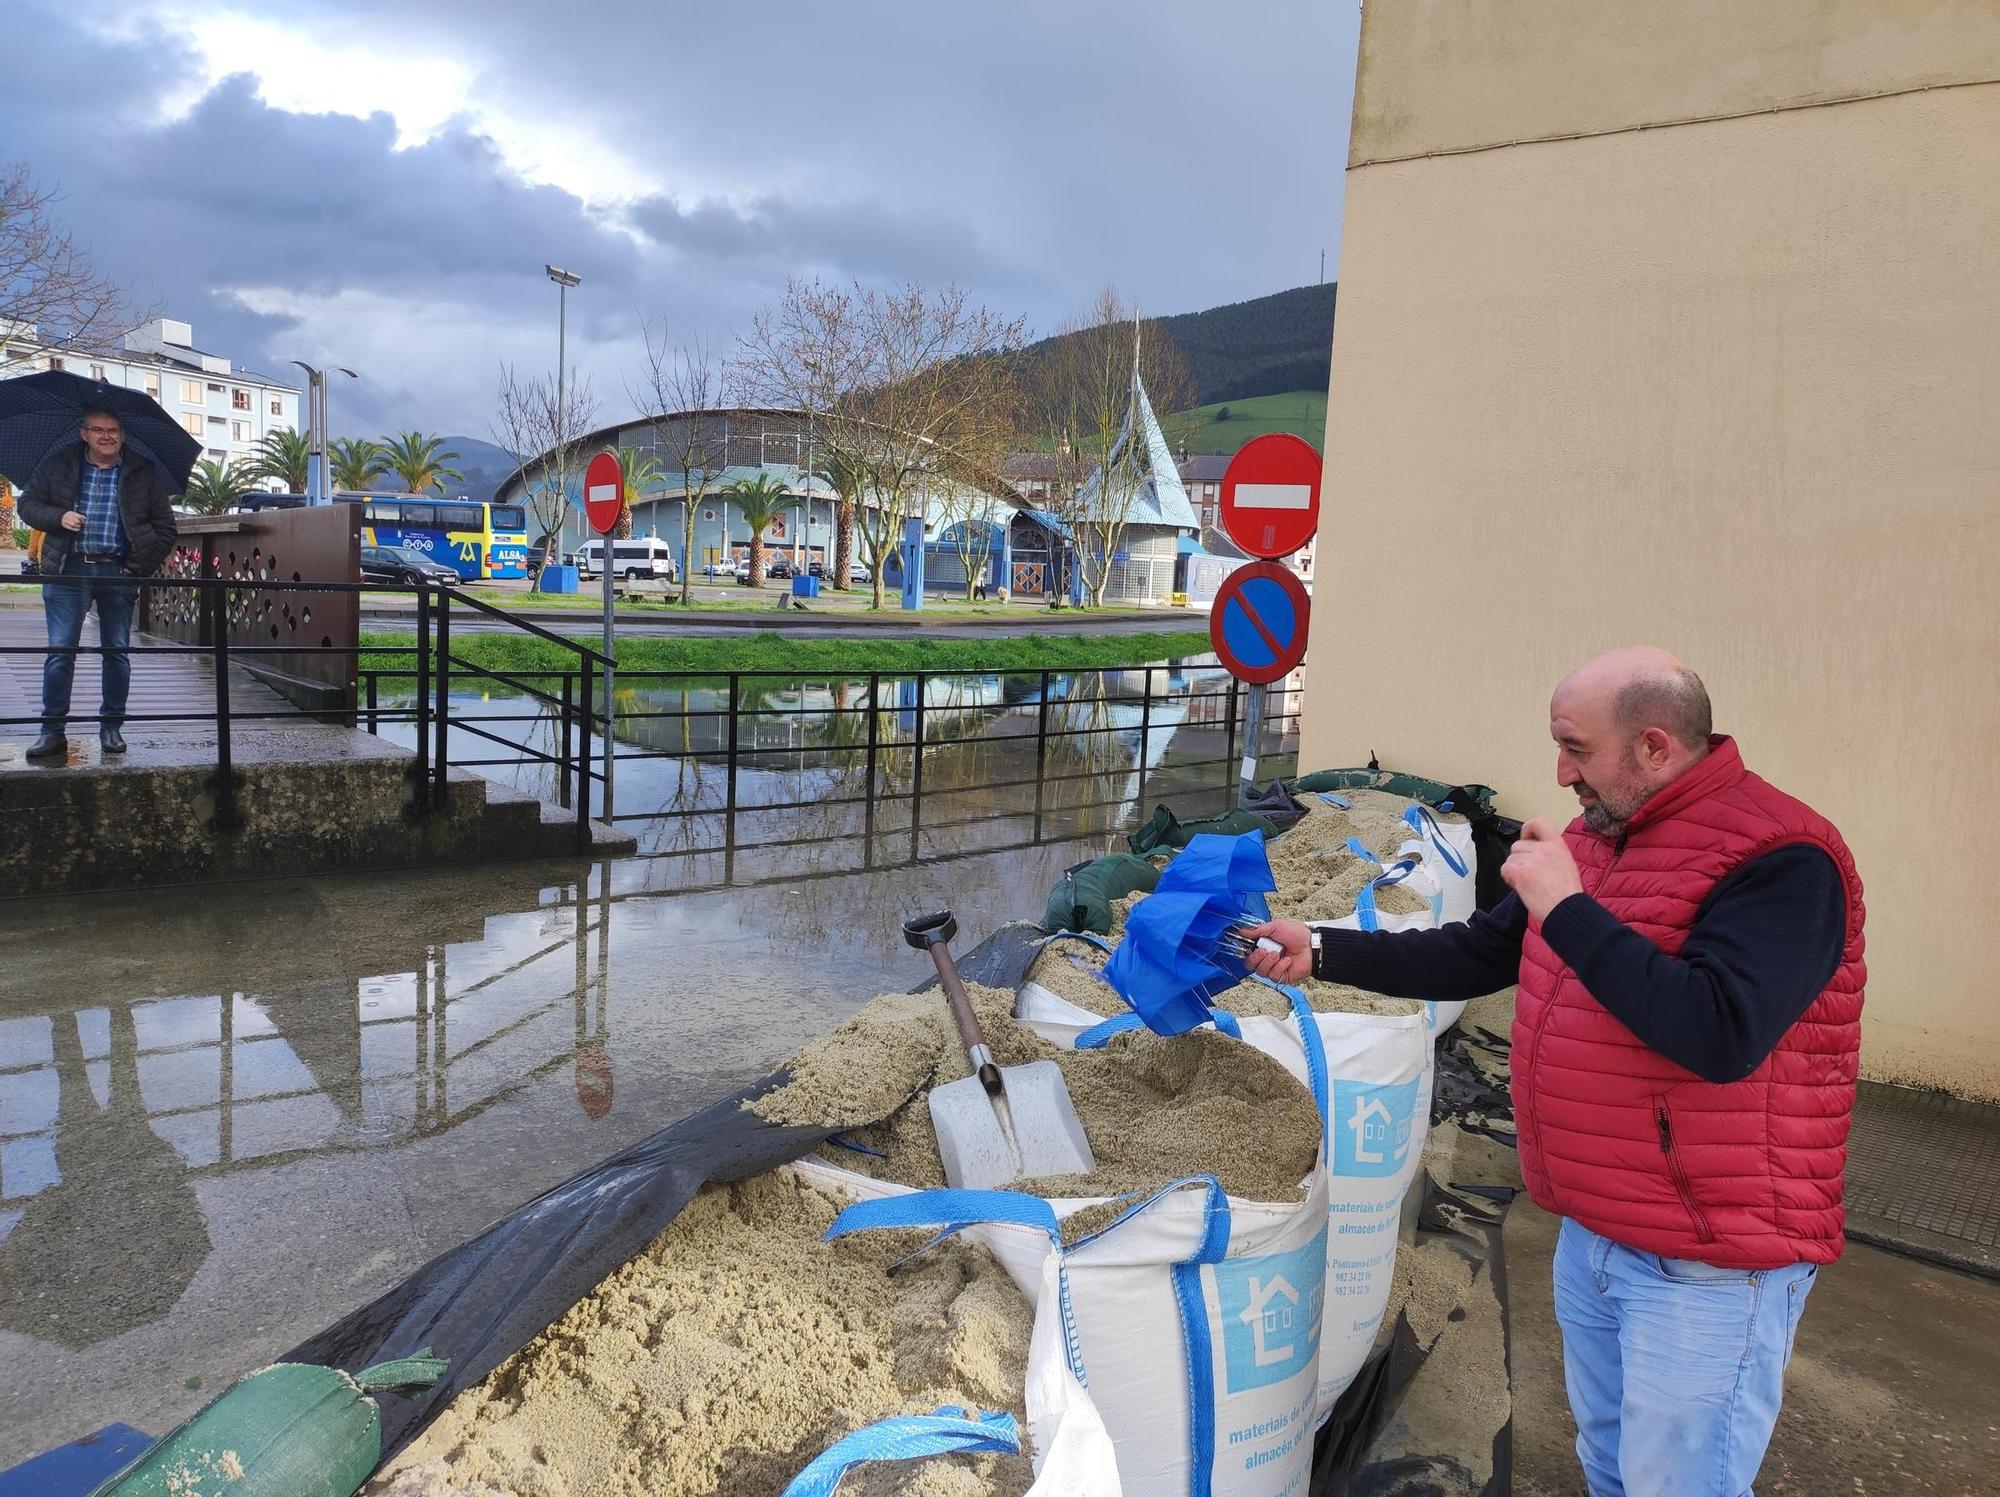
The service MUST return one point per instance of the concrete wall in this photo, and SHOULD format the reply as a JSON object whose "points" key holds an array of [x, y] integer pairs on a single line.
{"points": [[1730, 386]]}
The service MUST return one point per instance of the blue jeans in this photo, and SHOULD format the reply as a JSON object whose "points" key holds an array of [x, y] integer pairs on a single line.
{"points": [[1675, 1369], [63, 606]]}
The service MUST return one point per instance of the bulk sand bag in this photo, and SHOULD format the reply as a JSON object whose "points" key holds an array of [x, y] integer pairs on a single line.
{"points": [[1368, 1062], [1194, 1255], [740, 1346]]}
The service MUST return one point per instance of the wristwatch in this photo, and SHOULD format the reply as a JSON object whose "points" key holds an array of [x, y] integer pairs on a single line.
{"points": [[1313, 935]]}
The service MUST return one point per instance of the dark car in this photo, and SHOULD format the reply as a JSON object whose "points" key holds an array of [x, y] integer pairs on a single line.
{"points": [[405, 565]]}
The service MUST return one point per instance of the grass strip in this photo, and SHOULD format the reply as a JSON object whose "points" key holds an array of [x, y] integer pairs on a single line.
{"points": [[806, 656]]}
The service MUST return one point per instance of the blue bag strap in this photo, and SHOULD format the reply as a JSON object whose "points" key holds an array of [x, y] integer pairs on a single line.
{"points": [[1089, 937], [1426, 825], [1364, 908], [1360, 849], [1339, 802], [952, 1211], [906, 1437], [1200, 1345], [1099, 1035]]}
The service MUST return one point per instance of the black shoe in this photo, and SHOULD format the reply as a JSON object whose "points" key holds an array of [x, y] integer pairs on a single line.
{"points": [[49, 746], [111, 741]]}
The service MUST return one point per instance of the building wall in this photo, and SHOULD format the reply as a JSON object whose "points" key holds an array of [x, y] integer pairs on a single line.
{"points": [[1730, 386]]}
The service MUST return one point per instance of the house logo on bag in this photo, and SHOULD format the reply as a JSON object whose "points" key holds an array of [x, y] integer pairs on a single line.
{"points": [[1270, 1313], [1372, 1126]]}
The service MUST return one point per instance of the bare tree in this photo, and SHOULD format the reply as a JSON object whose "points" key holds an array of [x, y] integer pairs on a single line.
{"points": [[46, 281], [680, 389], [914, 386], [1082, 401], [543, 433], [972, 514]]}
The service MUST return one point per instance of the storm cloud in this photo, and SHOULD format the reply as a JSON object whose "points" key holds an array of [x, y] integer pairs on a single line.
{"points": [[684, 160]]}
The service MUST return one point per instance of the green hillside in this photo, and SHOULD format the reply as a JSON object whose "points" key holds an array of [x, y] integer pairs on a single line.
{"points": [[1249, 348], [1204, 429]]}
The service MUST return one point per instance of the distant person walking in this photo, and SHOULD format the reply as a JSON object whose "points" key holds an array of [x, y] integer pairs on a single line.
{"points": [[106, 521], [1686, 1037]]}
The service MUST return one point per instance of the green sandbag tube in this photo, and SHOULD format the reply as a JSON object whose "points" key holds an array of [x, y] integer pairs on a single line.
{"points": [[292, 1430], [1082, 899]]}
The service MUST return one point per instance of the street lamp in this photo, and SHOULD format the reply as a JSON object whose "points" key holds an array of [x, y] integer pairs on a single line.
{"points": [[319, 482], [564, 279]]}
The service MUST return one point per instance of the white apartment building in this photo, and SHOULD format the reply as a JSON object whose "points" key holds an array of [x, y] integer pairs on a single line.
{"points": [[223, 406]]}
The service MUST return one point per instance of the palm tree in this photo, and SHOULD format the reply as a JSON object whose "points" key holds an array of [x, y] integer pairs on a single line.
{"points": [[285, 455], [357, 463], [212, 487], [414, 458], [847, 475], [761, 500], [642, 471]]}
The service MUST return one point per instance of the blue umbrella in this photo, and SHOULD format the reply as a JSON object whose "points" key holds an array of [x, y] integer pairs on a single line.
{"points": [[1173, 959], [40, 412]]}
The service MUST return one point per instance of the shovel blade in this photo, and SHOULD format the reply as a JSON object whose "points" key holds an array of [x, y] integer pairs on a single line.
{"points": [[974, 1146]]}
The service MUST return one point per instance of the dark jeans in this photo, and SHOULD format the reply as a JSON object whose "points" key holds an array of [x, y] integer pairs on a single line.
{"points": [[63, 605]]}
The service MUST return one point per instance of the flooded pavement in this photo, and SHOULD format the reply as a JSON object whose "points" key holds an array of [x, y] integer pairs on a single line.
{"points": [[231, 1114]]}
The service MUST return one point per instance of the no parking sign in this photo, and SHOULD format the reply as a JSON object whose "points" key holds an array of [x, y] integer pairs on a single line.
{"points": [[1258, 624]]}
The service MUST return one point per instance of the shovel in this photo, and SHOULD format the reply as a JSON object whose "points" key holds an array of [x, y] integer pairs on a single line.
{"points": [[998, 1124]]}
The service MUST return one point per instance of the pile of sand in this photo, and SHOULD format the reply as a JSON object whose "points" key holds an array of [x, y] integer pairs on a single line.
{"points": [[1071, 970], [1154, 1109], [731, 1351]]}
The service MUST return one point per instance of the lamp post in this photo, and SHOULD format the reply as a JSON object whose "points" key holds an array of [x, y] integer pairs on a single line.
{"points": [[319, 482], [565, 279]]}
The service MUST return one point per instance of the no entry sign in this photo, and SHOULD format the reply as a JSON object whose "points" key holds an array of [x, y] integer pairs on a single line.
{"points": [[604, 493], [1270, 495], [1258, 624]]}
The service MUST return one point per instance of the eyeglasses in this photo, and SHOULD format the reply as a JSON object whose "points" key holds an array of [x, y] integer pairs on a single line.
{"points": [[101, 431]]}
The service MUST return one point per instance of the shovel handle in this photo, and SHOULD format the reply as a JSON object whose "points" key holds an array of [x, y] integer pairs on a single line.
{"points": [[969, 1032]]}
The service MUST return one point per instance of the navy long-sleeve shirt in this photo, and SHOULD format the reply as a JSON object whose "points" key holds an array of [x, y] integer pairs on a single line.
{"points": [[1765, 943]]}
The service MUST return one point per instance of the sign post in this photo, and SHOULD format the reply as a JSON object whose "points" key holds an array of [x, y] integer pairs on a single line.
{"points": [[1269, 507], [604, 503]]}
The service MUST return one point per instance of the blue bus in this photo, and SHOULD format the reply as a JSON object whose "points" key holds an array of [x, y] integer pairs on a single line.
{"points": [[478, 541]]}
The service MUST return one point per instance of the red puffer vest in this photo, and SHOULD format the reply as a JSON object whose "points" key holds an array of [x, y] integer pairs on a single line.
{"points": [[1746, 1174]]}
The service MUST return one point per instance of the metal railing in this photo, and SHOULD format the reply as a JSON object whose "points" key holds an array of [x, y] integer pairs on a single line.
{"points": [[874, 736], [433, 668], [1079, 717]]}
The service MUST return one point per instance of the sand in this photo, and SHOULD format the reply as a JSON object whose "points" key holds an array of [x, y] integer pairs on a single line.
{"points": [[1154, 1108], [729, 1353], [1069, 969], [1319, 879]]}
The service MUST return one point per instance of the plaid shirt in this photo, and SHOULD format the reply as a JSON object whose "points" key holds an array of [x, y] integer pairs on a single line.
{"points": [[97, 497]]}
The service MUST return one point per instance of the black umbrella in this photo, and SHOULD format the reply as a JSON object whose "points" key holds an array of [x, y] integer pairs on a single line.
{"points": [[40, 412]]}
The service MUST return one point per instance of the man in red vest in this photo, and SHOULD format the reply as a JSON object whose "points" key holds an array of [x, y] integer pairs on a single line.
{"points": [[1686, 1038]]}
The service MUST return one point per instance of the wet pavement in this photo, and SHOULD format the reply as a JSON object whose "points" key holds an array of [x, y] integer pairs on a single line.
{"points": [[228, 1116]]}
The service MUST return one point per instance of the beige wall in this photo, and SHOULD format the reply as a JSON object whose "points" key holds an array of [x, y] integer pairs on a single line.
{"points": [[1732, 388]]}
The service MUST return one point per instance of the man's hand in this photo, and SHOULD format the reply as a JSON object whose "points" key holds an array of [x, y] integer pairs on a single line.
{"points": [[1292, 963], [1540, 869], [72, 521]]}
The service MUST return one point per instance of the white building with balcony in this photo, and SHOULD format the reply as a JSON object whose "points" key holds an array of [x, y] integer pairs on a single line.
{"points": [[224, 406]]}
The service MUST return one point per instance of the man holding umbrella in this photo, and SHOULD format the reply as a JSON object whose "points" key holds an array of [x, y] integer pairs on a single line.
{"points": [[108, 522]]}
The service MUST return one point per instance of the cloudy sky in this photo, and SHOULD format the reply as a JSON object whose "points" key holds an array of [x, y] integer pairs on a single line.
{"points": [[378, 184]]}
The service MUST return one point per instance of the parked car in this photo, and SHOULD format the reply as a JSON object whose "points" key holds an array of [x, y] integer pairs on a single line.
{"points": [[856, 572], [779, 567], [403, 565], [723, 568]]}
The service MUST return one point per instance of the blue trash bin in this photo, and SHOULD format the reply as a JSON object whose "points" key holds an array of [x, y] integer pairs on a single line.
{"points": [[559, 579], [804, 586]]}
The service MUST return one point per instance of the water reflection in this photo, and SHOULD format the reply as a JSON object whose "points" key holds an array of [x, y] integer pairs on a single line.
{"points": [[109, 1114]]}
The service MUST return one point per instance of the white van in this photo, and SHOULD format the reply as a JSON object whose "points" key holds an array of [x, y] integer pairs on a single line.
{"points": [[638, 556]]}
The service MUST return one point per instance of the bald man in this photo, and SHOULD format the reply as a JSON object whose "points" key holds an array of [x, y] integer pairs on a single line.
{"points": [[1686, 1037]]}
